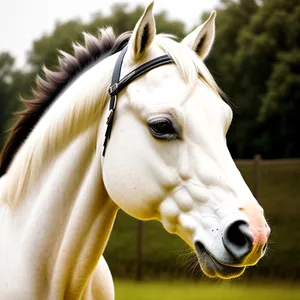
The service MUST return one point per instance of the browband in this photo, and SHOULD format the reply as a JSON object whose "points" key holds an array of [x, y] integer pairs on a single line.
{"points": [[118, 85]]}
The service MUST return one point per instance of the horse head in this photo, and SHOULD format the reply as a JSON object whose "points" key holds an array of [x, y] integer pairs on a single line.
{"points": [[167, 157]]}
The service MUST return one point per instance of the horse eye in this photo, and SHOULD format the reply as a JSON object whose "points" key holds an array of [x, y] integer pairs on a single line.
{"points": [[162, 129]]}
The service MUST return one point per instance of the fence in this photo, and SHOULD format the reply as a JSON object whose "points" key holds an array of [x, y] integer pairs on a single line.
{"points": [[256, 164]]}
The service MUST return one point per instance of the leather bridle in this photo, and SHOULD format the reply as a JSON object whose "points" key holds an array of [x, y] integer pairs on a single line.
{"points": [[118, 85]]}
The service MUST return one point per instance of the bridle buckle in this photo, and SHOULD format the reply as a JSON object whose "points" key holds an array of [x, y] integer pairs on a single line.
{"points": [[113, 89]]}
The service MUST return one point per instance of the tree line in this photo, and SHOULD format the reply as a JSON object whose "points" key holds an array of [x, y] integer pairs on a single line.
{"points": [[255, 60]]}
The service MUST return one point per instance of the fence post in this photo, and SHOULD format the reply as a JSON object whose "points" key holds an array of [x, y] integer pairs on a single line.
{"points": [[139, 251], [256, 173]]}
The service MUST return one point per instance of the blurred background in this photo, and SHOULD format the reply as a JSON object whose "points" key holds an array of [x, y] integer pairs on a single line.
{"points": [[256, 61]]}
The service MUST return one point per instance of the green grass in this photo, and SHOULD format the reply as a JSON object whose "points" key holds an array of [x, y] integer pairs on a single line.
{"points": [[165, 255], [126, 290]]}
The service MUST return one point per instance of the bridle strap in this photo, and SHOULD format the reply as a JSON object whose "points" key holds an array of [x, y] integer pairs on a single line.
{"points": [[118, 85]]}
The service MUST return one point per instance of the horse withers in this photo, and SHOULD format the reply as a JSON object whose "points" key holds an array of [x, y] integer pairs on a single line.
{"points": [[165, 158]]}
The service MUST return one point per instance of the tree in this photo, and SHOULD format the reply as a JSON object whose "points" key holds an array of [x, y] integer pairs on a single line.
{"points": [[6, 69], [44, 50], [268, 63], [256, 57], [12, 82], [232, 17]]}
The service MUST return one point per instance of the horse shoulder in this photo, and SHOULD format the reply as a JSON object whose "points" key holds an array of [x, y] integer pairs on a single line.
{"points": [[100, 286]]}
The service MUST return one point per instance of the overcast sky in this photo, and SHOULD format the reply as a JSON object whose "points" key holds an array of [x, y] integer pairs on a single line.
{"points": [[22, 21]]}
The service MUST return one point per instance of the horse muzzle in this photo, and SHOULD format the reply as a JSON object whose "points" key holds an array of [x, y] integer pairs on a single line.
{"points": [[239, 246]]}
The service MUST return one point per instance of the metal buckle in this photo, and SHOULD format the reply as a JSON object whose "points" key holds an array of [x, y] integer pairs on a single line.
{"points": [[113, 88]]}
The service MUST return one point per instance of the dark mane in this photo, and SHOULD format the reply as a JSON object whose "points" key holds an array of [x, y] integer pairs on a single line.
{"points": [[49, 87]]}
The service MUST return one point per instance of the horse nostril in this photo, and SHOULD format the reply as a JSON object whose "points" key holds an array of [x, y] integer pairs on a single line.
{"points": [[237, 239], [199, 247]]}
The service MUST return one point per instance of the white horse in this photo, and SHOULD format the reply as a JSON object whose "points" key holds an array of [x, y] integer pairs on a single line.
{"points": [[166, 159]]}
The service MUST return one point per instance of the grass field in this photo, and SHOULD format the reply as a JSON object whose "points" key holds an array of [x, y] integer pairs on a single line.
{"points": [[126, 290], [165, 255]]}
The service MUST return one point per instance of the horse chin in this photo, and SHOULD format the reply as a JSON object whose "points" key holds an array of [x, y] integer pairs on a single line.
{"points": [[213, 268]]}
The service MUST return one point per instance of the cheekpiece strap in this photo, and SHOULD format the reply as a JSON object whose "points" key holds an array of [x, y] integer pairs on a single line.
{"points": [[117, 85]]}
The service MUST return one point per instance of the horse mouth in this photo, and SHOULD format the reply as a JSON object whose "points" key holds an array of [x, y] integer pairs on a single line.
{"points": [[211, 267]]}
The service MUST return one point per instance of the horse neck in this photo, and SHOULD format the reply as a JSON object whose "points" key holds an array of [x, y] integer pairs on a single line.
{"points": [[65, 215], [87, 220]]}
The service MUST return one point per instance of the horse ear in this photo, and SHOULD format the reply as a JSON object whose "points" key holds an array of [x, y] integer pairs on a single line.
{"points": [[143, 34], [202, 38]]}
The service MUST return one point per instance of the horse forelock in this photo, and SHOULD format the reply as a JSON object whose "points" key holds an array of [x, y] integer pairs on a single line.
{"points": [[53, 83]]}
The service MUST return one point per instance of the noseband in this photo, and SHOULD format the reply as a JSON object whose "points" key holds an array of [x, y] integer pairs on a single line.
{"points": [[118, 85]]}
